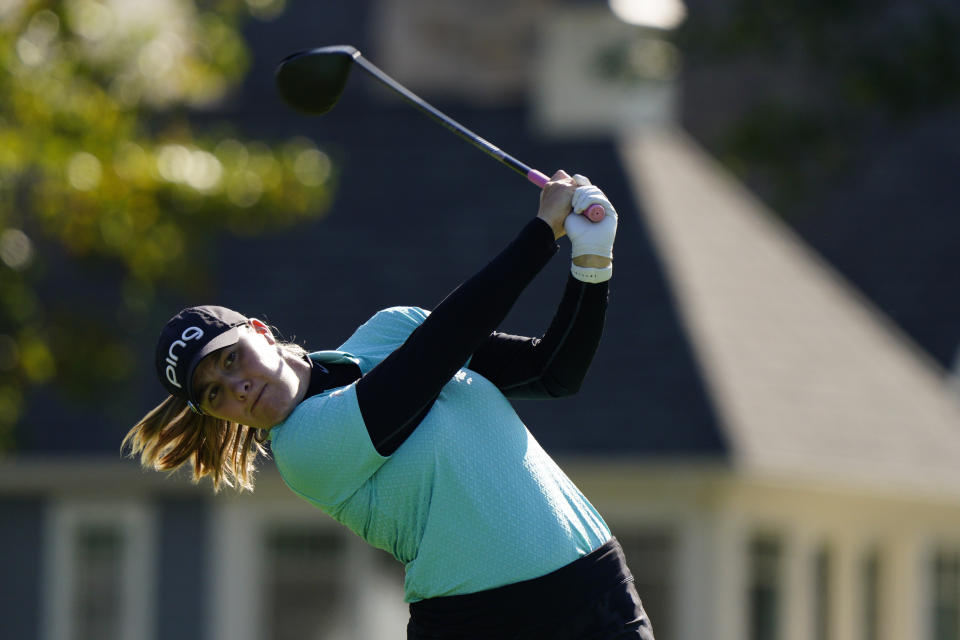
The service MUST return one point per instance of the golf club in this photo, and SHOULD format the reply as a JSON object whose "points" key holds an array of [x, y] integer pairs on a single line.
{"points": [[312, 81]]}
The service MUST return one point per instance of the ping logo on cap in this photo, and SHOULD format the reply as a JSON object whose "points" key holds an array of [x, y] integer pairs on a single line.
{"points": [[187, 338], [173, 359]]}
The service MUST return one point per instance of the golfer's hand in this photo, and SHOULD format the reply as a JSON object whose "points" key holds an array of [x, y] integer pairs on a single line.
{"points": [[556, 201], [592, 242]]}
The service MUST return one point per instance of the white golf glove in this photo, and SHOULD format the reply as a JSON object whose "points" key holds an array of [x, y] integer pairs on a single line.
{"points": [[590, 238]]}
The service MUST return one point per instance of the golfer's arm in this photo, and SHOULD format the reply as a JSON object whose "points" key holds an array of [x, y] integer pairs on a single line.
{"points": [[555, 364], [396, 394]]}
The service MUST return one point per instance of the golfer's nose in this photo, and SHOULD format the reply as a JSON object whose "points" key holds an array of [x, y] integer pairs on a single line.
{"points": [[240, 388]]}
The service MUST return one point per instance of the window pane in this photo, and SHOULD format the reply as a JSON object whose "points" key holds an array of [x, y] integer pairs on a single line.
{"points": [[98, 584], [871, 596], [650, 556], [765, 557], [946, 595], [821, 593], [305, 569]]}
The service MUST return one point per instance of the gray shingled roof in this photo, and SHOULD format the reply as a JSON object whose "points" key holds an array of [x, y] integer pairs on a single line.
{"points": [[808, 378]]}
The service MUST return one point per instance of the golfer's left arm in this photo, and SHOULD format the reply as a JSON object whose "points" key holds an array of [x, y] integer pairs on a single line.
{"points": [[556, 364]]}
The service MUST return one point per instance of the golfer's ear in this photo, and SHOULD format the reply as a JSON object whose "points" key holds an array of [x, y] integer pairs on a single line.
{"points": [[262, 329]]}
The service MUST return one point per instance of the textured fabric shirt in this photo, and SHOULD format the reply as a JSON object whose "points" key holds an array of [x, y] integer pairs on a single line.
{"points": [[468, 502]]}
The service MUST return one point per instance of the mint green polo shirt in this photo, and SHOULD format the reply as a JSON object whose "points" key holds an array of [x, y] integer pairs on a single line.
{"points": [[469, 502]]}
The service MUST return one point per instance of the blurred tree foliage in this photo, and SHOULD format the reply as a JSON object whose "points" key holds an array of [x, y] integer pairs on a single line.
{"points": [[100, 170], [827, 75]]}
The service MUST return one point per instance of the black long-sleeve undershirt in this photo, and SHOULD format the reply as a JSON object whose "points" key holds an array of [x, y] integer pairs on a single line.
{"points": [[555, 364], [396, 394]]}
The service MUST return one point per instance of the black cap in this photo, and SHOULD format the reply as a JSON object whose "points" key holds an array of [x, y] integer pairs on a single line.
{"points": [[185, 340]]}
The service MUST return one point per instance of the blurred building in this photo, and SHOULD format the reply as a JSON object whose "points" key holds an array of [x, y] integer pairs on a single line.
{"points": [[778, 459]]}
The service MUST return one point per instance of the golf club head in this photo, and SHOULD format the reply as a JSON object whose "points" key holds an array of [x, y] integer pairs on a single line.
{"points": [[311, 81]]}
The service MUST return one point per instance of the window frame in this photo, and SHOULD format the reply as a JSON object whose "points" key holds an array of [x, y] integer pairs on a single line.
{"points": [[138, 573]]}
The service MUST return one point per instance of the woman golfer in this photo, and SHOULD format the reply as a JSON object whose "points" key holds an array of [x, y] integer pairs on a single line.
{"points": [[405, 434]]}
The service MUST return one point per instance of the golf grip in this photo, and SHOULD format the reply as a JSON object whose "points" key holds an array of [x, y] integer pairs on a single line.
{"points": [[594, 212]]}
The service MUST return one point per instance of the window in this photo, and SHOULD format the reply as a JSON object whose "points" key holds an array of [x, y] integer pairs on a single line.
{"points": [[99, 572], [306, 573], [98, 581], [765, 559], [945, 624], [650, 556]]}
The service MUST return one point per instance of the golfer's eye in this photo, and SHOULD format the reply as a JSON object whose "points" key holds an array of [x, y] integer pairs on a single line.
{"points": [[230, 359], [212, 394]]}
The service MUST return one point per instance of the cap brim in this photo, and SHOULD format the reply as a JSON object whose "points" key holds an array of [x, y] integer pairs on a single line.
{"points": [[227, 338]]}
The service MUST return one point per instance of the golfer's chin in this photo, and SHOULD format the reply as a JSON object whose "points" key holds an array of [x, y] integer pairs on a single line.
{"points": [[272, 414]]}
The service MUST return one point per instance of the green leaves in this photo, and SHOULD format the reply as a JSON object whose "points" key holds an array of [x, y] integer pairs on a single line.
{"points": [[101, 171], [815, 80]]}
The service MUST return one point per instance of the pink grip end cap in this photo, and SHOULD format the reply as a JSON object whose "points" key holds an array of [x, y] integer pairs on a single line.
{"points": [[594, 213]]}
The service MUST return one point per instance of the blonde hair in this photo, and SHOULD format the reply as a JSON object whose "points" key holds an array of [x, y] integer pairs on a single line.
{"points": [[172, 435]]}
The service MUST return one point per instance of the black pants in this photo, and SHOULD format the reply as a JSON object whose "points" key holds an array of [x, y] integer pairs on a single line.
{"points": [[590, 599]]}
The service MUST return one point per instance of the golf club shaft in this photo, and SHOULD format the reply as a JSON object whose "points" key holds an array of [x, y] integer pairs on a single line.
{"points": [[448, 122], [594, 213]]}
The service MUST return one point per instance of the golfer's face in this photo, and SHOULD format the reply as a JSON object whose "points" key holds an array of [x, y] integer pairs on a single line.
{"points": [[249, 382]]}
